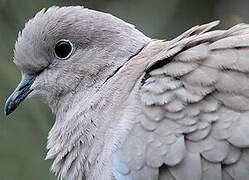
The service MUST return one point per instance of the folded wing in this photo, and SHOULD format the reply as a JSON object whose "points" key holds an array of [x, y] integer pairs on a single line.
{"points": [[193, 118]]}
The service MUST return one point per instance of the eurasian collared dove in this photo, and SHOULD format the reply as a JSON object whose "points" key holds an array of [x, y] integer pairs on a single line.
{"points": [[129, 107]]}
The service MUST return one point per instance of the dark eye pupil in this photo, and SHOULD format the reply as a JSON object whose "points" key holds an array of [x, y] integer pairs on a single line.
{"points": [[63, 49]]}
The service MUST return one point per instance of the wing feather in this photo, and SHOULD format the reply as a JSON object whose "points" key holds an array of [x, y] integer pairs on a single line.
{"points": [[184, 170], [211, 171], [194, 107]]}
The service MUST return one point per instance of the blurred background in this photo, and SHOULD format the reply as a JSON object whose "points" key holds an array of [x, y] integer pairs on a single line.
{"points": [[23, 135]]}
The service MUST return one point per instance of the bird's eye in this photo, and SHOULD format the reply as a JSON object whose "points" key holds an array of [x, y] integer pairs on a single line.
{"points": [[63, 49]]}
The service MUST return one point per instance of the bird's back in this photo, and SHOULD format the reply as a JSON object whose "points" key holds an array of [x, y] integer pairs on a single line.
{"points": [[191, 109]]}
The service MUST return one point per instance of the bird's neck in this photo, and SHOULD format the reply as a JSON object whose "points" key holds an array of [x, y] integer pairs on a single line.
{"points": [[95, 121], [87, 132], [89, 127]]}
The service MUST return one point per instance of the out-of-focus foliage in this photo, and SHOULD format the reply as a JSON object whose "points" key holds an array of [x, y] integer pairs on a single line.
{"points": [[23, 134]]}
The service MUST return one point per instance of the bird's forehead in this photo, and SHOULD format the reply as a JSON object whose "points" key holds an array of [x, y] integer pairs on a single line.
{"points": [[55, 22], [37, 39], [84, 27]]}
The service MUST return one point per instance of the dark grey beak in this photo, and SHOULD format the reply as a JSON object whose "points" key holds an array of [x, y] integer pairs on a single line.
{"points": [[20, 93]]}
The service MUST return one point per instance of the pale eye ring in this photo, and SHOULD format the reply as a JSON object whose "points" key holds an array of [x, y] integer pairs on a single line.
{"points": [[63, 49]]}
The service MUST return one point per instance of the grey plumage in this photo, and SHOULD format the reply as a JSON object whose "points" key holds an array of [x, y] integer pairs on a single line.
{"points": [[129, 107]]}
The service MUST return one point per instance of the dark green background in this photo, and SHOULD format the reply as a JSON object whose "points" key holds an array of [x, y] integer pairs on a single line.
{"points": [[23, 135]]}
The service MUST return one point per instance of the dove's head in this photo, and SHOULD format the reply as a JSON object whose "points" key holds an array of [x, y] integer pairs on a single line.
{"points": [[63, 48]]}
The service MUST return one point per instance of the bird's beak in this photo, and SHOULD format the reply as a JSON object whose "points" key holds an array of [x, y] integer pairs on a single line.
{"points": [[20, 93]]}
